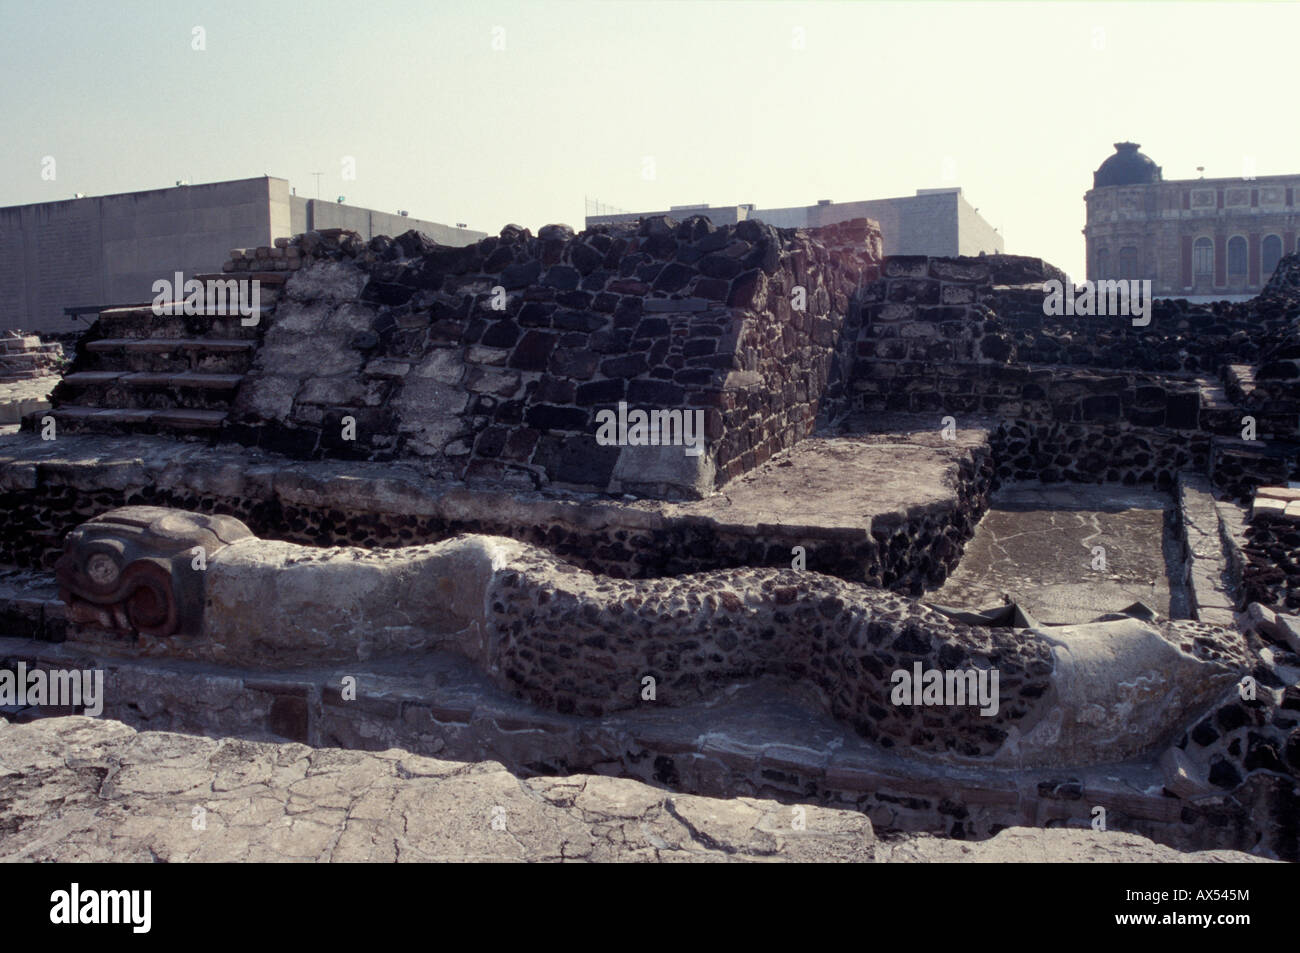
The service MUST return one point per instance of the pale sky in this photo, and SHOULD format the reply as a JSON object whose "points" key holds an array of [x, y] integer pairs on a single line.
{"points": [[1021, 100]]}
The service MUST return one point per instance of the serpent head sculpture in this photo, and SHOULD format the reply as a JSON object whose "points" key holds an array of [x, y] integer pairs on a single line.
{"points": [[137, 569]]}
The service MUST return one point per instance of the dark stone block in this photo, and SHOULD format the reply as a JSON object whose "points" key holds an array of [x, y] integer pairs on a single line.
{"points": [[714, 241], [719, 266], [578, 300], [385, 293], [1278, 370], [552, 390], [519, 445], [510, 412], [503, 333], [491, 441], [1102, 407], [629, 286], [499, 259], [585, 258], [562, 278], [600, 392], [611, 342], [577, 363], [654, 393], [674, 277], [660, 246], [1182, 411], [744, 290], [521, 275], [652, 328], [578, 321], [596, 281], [548, 417], [1147, 418], [649, 271], [694, 375], [628, 312], [535, 314], [1224, 775], [630, 365], [714, 289], [576, 459], [533, 351], [1149, 396], [1231, 716]]}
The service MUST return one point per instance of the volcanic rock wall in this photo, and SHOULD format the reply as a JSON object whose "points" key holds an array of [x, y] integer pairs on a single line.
{"points": [[492, 361]]}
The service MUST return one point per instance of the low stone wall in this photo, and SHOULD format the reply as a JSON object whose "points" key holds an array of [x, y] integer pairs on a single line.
{"points": [[47, 490], [1028, 449], [1271, 575]]}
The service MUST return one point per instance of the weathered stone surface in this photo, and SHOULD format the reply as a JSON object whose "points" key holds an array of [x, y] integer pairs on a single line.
{"points": [[80, 790]]}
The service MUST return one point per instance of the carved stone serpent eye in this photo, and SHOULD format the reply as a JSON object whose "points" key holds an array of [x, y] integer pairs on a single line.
{"points": [[102, 569]]}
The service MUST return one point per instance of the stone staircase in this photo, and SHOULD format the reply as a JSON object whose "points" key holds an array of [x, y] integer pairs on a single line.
{"points": [[1236, 464], [138, 372]]}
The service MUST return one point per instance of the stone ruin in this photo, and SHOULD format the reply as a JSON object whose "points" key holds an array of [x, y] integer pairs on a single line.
{"points": [[29, 369], [393, 475]]}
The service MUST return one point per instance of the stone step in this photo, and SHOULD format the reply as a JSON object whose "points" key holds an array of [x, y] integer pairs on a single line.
{"points": [[1239, 382], [89, 378], [1238, 466], [1219, 415], [74, 418], [170, 355], [139, 321], [147, 310], [186, 419], [164, 345], [146, 379]]}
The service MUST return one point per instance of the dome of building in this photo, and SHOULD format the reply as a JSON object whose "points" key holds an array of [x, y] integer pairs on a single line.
{"points": [[1126, 167]]}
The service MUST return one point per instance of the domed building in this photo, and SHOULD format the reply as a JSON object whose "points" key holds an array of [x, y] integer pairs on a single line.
{"points": [[1126, 167], [1195, 238]]}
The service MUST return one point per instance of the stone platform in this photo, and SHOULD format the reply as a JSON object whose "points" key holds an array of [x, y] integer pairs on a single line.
{"points": [[155, 796], [1069, 553]]}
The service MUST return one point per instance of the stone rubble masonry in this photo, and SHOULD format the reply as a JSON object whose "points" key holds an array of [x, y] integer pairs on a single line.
{"points": [[402, 336], [399, 339], [397, 806], [1272, 549], [908, 538]]}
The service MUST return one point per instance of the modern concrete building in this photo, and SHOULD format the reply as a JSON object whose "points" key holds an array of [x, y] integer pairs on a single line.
{"points": [[932, 222], [110, 249], [1194, 238]]}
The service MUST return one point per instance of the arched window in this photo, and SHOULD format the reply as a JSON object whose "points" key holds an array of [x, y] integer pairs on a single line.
{"points": [[1103, 263], [1236, 257], [1128, 262], [1270, 255], [1203, 258]]}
